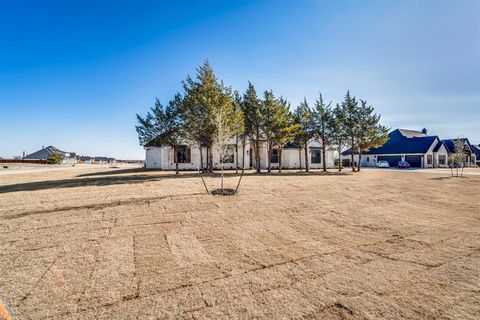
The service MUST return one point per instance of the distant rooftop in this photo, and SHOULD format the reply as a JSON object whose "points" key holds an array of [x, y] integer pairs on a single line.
{"points": [[43, 153]]}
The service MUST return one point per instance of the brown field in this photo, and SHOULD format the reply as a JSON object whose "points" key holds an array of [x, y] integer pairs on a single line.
{"points": [[99, 243]]}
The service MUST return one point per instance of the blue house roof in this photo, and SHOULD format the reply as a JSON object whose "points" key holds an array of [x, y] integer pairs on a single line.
{"points": [[402, 141], [292, 145], [438, 146], [476, 149], [450, 144]]}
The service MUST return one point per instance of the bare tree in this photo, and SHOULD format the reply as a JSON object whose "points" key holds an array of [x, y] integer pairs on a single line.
{"points": [[458, 157], [226, 119]]}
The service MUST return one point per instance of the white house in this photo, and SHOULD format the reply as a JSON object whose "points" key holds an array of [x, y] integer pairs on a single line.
{"points": [[416, 147], [293, 156]]}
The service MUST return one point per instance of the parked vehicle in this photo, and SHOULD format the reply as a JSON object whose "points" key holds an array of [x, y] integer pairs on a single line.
{"points": [[383, 164], [403, 164]]}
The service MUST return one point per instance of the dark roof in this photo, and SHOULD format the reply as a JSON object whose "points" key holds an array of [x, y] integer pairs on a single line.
{"points": [[450, 144], [438, 146], [291, 145], [89, 158], [398, 143], [476, 149], [43, 154]]}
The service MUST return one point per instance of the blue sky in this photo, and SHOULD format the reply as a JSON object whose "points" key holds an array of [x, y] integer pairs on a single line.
{"points": [[73, 74]]}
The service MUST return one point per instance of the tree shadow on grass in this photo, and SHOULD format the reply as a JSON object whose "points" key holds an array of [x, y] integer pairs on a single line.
{"points": [[77, 182], [228, 172], [114, 172], [448, 178], [119, 177]]}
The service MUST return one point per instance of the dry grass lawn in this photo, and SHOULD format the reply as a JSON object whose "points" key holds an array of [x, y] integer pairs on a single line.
{"points": [[130, 244]]}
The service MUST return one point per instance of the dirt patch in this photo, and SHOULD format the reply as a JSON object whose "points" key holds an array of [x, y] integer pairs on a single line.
{"points": [[105, 243], [223, 192]]}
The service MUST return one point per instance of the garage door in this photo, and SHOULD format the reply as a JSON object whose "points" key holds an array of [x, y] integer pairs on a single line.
{"points": [[392, 160], [415, 161]]}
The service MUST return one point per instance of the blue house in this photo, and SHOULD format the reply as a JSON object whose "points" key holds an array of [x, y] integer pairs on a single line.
{"points": [[416, 147]]}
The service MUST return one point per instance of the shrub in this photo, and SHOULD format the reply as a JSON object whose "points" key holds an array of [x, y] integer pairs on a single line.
{"points": [[54, 158]]}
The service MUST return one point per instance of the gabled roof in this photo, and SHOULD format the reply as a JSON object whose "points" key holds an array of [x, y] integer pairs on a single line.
{"points": [[401, 141], [476, 150], [438, 146], [43, 154], [450, 144]]}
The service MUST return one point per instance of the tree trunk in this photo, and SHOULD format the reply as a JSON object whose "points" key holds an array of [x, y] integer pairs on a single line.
{"points": [[221, 164], [269, 152], [175, 158], [201, 157], [323, 156], [359, 165], [236, 154], [206, 159], [339, 159], [352, 156], [243, 152], [280, 160], [211, 159], [300, 157], [257, 151], [306, 157]]}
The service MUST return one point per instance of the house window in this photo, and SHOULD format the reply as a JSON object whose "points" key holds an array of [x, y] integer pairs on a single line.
{"points": [[315, 155], [368, 159], [229, 154], [274, 156], [442, 159], [183, 154], [429, 159]]}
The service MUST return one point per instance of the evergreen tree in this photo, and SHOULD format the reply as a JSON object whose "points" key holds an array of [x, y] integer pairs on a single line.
{"points": [[371, 133], [323, 125], [269, 107], [203, 96], [339, 136], [54, 158], [352, 122], [305, 132], [251, 108], [238, 127], [162, 126], [284, 127]]}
